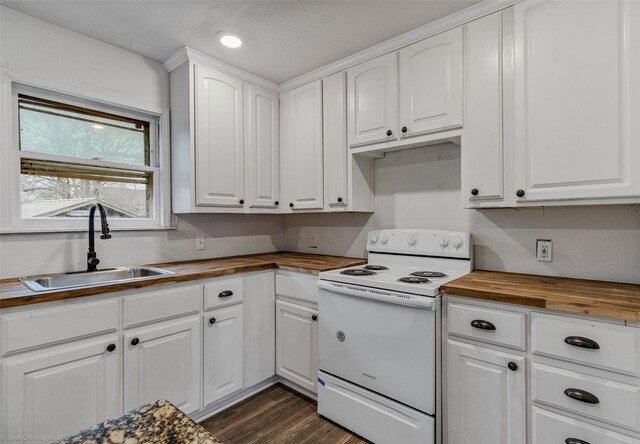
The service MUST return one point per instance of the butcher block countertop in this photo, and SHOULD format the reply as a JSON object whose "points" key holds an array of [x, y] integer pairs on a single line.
{"points": [[596, 298], [14, 293]]}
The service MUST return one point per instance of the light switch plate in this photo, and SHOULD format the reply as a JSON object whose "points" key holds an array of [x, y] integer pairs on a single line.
{"points": [[544, 250], [199, 242]]}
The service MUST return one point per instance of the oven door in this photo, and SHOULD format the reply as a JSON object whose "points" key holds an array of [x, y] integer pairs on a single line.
{"points": [[380, 341]]}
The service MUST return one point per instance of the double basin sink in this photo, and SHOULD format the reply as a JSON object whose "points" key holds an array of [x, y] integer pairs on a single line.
{"points": [[62, 281]]}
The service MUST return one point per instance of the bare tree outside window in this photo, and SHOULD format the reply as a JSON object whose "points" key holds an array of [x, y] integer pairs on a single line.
{"points": [[78, 140]]}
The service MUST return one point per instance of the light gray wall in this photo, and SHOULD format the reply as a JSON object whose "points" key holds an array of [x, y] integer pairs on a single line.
{"points": [[420, 188], [58, 58]]}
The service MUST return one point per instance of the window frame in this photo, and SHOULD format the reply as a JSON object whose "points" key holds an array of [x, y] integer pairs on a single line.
{"points": [[12, 221]]}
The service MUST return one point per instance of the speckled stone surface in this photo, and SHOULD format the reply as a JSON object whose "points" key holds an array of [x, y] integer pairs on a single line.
{"points": [[157, 422]]}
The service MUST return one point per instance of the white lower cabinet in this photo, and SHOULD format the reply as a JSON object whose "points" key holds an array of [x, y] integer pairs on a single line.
{"points": [[259, 328], [50, 393], [297, 344], [223, 366], [163, 361], [572, 379], [486, 395]]}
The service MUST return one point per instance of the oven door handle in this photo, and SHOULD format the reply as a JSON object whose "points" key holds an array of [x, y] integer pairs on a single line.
{"points": [[423, 302]]}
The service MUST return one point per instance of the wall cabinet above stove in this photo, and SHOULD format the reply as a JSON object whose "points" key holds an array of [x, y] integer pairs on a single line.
{"points": [[408, 97], [552, 126], [224, 143]]}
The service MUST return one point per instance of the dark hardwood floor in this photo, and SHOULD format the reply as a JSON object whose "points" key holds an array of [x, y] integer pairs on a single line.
{"points": [[277, 415]]}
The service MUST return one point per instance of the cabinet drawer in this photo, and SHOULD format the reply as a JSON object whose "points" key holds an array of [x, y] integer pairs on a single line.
{"points": [[618, 403], [550, 427], [33, 328], [161, 304], [596, 344], [489, 325], [223, 292], [297, 286]]}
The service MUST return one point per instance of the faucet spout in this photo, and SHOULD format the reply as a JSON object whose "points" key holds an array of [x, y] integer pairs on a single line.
{"points": [[92, 259]]}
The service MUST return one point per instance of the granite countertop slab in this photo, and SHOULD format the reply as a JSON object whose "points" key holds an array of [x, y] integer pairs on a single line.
{"points": [[14, 293], [156, 422]]}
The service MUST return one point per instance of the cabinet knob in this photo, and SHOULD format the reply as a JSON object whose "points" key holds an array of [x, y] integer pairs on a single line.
{"points": [[276, 203], [512, 366], [579, 341], [314, 317], [582, 396], [474, 192], [339, 199], [389, 132], [575, 441], [291, 204], [212, 321], [482, 324], [241, 201], [135, 341], [520, 193], [111, 347], [404, 129]]}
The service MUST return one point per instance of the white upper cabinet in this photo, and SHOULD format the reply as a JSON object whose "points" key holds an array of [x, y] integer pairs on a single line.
{"points": [[577, 100], [334, 112], [219, 138], [262, 147], [431, 84], [301, 142], [224, 141], [482, 140], [373, 101]]}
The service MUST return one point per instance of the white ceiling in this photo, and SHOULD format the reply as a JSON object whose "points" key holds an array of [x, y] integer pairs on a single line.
{"points": [[282, 39]]}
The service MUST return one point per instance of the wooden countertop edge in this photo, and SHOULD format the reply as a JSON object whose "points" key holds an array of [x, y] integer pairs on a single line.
{"points": [[620, 304], [180, 276]]}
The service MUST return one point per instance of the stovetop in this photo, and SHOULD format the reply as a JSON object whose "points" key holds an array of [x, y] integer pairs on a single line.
{"points": [[395, 278]]}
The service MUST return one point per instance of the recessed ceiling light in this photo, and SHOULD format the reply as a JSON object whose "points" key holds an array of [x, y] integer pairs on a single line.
{"points": [[97, 126], [229, 39]]}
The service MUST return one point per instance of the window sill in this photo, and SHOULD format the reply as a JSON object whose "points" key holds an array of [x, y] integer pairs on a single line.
{"points": [[78, 230]]}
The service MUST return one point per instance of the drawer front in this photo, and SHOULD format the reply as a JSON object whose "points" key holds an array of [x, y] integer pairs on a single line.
{"points": [[223, 292], [596, 344], [298, 287], [34, 328], [161, 304], [618, 403], [549, 427], [489, 325]]}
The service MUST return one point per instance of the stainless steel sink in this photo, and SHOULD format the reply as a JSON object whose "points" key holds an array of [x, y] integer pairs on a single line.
{"points": [[47, 282]]}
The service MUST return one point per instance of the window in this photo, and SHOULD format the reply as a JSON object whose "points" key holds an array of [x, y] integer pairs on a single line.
{"points": [[74, 153]]}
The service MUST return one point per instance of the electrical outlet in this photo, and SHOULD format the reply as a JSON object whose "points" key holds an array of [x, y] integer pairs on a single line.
{"points": [[312, 241], [544, 250], [199, 242]]}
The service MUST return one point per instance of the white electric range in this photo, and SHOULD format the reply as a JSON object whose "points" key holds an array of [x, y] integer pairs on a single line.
{"points": [[379, 334]]}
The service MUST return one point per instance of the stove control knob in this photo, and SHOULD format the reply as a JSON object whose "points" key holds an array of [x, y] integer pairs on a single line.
{"points": [[373, 238], [457, 243], [444, 242], [412, 240], [384, 239]]}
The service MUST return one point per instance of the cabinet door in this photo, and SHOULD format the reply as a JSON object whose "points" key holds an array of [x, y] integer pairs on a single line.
{"points": [[219, 138], [334, 111], [164, 362], [577, 100], [259, 328], [223, 372], [372, 89], [297, 344], [482, 140], [262, 142], [486, 401], [302, 146], [52, 393], [431, 84]]}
